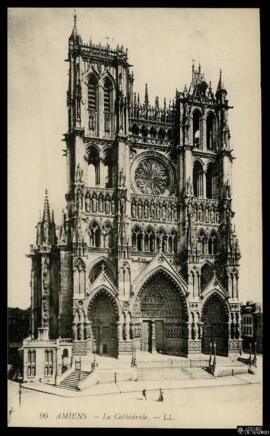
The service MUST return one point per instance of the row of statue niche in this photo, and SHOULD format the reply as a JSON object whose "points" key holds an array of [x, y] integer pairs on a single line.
{"points": [[155, 210], [207, 215], [81, 330], [94, 204]]}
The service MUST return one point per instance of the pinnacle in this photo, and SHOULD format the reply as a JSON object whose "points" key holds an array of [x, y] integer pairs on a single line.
{"points": [[46, 209]]}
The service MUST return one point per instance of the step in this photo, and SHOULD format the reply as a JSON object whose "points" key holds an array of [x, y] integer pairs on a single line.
{"points": [[144, 374], [73, 379]]}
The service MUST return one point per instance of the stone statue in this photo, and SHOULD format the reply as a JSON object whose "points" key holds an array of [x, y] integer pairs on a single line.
{"points": [[74, 331]]}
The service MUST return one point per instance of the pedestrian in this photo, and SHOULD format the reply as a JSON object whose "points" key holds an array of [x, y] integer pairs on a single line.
{"points": [[144, 394], [160, 398], [10, 412]]}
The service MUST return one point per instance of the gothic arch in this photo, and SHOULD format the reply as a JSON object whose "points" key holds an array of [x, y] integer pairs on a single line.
{"points": [[207, 273], [91, 71], [104, 312], [196, 115], [92, 90], [99, 261], [92, 158], [109, 293], [211, 180], [220, 295], [161, 269], [108, 75], [211, 122], [197, 175], [215, 316]]}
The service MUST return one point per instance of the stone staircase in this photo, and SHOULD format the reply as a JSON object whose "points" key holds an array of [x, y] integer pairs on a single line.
{"points": [[148, 374], [72, 380]]}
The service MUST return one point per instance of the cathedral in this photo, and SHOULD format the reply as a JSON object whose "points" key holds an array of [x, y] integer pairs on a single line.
{"points": [[146, 256]]}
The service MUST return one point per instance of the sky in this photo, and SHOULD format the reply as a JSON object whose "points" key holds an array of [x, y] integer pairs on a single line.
{"points": [[162, 44]]}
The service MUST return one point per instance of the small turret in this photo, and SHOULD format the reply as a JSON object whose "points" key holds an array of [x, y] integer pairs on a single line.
{"points": [[75, 37], [221, 92], [46, 232], [146, 99]]}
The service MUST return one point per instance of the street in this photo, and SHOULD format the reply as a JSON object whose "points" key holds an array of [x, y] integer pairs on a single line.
{"points": [[200, 407]]}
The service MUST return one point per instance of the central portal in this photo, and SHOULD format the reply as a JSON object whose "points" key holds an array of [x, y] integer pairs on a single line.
{"points": [[159, 317]]}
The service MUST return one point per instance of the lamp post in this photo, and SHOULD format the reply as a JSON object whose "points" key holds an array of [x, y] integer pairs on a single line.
{"points": [[250, 351], [20, 394], [214, 362], [255, 356], [210, 356]]}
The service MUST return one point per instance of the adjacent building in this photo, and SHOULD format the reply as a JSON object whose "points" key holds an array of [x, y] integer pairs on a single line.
{"points": [[252, 326]]}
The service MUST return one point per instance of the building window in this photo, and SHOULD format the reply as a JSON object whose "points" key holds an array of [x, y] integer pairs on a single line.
{"points": [[198, 179], [210, 131], [92, 93], [95, 235], [212, 243], [211, 181], [93, 167], [137, 239], [196, 127], [48, 367], [31, 363], [108, 95]]}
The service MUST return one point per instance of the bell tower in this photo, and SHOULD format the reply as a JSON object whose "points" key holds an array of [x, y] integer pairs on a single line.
{"points": [[210, 252]]}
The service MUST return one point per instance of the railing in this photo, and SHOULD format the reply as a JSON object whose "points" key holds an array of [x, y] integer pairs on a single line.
{"points": [[172, 363], [40, 342], [65, 341]]}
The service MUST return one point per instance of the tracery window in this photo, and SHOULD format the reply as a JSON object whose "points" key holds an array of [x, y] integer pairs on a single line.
{"points": [[95, 235]]}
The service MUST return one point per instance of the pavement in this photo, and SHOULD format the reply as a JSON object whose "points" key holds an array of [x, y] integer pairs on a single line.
{"points": [[138, 386]]}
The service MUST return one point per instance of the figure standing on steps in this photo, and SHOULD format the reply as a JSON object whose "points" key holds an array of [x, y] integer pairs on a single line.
{"points": [[160, 398], [144, 394]]}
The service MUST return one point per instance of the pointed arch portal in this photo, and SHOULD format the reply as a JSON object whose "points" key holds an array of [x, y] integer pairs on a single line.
{"points": [[103, 314], [215, 318], [159, 316]]}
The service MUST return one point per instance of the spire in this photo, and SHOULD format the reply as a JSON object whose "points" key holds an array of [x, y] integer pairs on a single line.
{"points": [[46, 208], [146, 100], [221, 86], [75, 34]]}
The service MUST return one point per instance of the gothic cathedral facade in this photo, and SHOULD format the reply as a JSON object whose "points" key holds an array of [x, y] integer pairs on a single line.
{"points": [[146, 256]]}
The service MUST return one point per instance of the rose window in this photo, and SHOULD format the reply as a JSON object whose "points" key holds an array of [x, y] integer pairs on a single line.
{"points": [[152, 177]]}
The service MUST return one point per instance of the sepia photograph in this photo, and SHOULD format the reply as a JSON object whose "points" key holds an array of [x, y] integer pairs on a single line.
{"points": [[134, 218]]}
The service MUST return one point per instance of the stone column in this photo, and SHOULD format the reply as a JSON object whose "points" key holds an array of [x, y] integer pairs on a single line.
{"points": [[203, 133], [120, 330], [204, 184], [74, 330], [153, 336]]}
